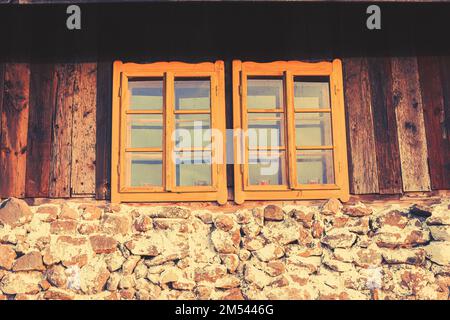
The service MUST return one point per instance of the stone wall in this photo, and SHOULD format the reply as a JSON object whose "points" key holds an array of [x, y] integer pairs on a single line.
{"points": [[95, 250]]}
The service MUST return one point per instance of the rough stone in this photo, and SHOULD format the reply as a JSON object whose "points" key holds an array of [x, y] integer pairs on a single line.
{"points": [[29, 262], [281, 232], [67, 213], [331, 207], [269, 252], [90, 212], [103, 244], [393, 237], [144, 246], [63, 227], [438, 252], [49, 212], [7, 256], [440, 233], [14, 212], [21, 282], [57, 276], [357, 210], [440, 215], [93, 276], [224, 222], [225, 242], [339, 238], [404, 256], [116, 224], [273, 213]]}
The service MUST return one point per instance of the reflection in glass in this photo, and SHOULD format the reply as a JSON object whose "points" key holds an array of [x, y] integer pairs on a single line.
{"points": [[267, 168], [192, 94], [313, 129], [145, 131], [311, 92], [145, 93], [143, 169], [265, 129], [193, 168], [315, 167], [192, 130], [265, 93]]}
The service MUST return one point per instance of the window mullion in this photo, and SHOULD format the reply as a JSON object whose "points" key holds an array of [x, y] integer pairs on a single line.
{"points": [[290, 129], [169, 129]]}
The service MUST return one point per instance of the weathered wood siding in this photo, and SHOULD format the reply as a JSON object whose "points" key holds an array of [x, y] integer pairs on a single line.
{"points": [[56, 123]]}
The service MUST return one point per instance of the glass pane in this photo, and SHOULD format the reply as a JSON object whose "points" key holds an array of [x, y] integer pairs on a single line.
{"points": [[145, 93], [267, 168], [265, 93], [145, 131], [193, 168], [313, 129], [311, 92], [192, 130], [144, 169], [192, 94], [315, 167], [265, 129]]}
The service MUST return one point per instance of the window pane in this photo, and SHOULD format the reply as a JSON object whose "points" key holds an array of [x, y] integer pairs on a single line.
{"points": [[144, 169], [192, 130], [315, 167], [313, 129], [145, 93], [265, 93], [311, 92], [193, 168], [267, 168], [145, 131], [265, 129], [192, 94]]}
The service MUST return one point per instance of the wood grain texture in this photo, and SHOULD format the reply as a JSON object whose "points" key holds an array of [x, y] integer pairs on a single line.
{"points": [[14, 127], [103, 122], [362, 156], [42, 104], [445, 77], [61, 159], [385, 126], [434, 116], [407, 102], [84, 130]]}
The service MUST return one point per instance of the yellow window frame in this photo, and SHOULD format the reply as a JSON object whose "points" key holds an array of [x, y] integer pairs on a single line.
{"points": [[168, 191], [292, 190]]}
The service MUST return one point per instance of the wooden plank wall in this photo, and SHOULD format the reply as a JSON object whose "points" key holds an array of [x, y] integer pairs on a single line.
{"points": [[405, 103], [48, 130], [55, 126]]}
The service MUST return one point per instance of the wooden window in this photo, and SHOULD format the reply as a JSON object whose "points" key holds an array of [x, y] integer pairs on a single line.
{"points": [[293, 144], [168, 132]]}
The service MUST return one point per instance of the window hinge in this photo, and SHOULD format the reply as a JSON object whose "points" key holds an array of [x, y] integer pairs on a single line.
{"points": [[242, 169], [120, 91], [335, 89], [217, 90], [240, 90]]}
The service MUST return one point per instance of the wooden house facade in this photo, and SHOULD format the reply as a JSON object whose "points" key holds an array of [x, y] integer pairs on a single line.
{"points": [[57, 88]]}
